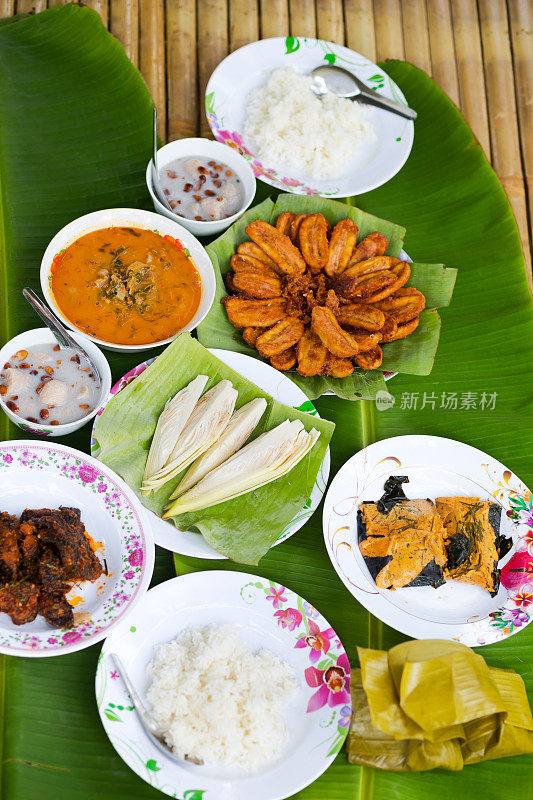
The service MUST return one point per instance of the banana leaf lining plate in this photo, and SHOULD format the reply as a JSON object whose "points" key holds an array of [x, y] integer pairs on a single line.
{"points": [[190, 542], [266, 615], [435, 467]]}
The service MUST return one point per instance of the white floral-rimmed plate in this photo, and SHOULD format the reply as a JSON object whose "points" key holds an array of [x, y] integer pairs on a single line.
{"points": [[266, 615], [377, 161], [42, 475], [282, 389], [436, 467]]}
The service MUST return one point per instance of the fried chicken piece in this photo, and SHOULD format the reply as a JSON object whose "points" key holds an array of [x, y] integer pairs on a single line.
{"points": [[313, 238], [277, 246], [283, 222], [361, 315], [365, 340], [20, 600], [250, 264], [50, 571], [243, 313], [284, 361], [342, 243], [403, 330], [63, 529], [332, 336], [56, 609], [285, 334], [388, 329], [250, 335], [338, 367], [260, 287], [404, 305], [311, 354], [294, 232], [371, 359], [9, 548], [253, 250], [375, 244]]}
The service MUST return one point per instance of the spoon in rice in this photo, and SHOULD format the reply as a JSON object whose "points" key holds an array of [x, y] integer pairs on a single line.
{"points": [[341, 83], [149, 724]]}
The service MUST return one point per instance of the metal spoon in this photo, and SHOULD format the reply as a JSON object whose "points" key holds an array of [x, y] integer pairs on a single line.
{"points": [[155, 171], [63, 337], [340, 82], [151, 727]]}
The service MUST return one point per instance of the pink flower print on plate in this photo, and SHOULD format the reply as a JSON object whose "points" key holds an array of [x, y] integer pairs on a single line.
{"points": [[289, 618], [136, 558], [8, 458], [319, 641], [70, 637], [518, 570], [524, 597], [333, 684], [277, 596], [87, 474]]}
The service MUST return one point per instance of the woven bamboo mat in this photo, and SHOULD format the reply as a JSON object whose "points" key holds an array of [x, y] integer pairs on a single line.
{"points": [[476, 50]]}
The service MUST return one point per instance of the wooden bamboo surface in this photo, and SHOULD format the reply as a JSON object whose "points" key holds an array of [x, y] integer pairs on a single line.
{"points": [[479, 51]]}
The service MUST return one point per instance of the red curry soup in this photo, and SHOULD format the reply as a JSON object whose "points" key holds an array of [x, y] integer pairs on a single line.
{"points": [[126, 285]]}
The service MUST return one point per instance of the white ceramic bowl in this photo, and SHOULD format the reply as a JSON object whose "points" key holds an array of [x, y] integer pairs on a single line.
{"points": [[205, 148], [136, 218], [44, 336]]}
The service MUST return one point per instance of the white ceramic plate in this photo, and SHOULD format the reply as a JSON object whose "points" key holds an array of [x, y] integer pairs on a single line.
{"points": [[435, 467], [135, 218], [247, 68], [267, 616], [282, 389], [48, 475]]}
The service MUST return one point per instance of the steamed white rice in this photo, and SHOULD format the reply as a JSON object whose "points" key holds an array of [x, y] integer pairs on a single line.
{"points": [[287, 125], [217, 701]]}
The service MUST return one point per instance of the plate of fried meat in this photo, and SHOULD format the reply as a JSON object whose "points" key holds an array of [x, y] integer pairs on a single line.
{"points": [[76, 552]]}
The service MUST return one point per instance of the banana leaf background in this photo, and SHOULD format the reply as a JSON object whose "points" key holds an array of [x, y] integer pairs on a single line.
{"points": [[76, 136]]}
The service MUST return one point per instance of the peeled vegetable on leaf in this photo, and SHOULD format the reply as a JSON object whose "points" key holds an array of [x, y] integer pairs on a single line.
{"points": [[267, 458]]}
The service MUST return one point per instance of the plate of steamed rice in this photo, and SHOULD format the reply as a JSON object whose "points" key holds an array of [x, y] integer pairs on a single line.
{"points": [[241, 674], [259, 101]]}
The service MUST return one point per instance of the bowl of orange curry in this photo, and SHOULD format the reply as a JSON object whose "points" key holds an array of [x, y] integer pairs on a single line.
{"points": [[127, 278]]}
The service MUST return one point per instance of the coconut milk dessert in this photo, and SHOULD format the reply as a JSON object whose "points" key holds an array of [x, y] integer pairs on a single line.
{"points": [[202, 190], [49, 385]]}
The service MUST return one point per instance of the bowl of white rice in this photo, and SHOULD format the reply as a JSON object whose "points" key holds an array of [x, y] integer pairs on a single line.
{"points": [[259, 101]]}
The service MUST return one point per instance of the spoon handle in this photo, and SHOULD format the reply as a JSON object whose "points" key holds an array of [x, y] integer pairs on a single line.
{"points": [[58, 329], [146, 718], [378, 100]]}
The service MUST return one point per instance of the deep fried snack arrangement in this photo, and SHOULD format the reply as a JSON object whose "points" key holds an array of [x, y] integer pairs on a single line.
{"points": [[311, 298], [40, 556]]}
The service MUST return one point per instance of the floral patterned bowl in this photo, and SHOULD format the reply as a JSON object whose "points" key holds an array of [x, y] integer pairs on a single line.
{"points": [[436, 467], [267, 615], [113, 517], [377, 160]]}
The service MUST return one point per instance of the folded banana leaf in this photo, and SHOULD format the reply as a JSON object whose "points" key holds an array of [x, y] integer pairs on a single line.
{"points": [[414, 355], [243, 528]]}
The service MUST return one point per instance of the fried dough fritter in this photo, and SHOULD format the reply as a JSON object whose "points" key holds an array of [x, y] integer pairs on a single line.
{"points": [[283, 222], [252, 250], [341, 246], [404, 305], [277, 246], [258, 287], [245, 313], [371, 359], [285, 360], [311, 354], [361, 315], [20, 600], [333, 337], [375, 244], [9, 547], [283, 335], [313, 238], [311, 298]]}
